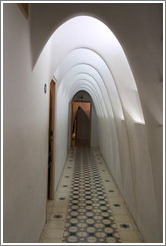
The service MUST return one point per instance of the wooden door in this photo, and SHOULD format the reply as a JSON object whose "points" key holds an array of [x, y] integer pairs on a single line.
{"points": [[51, 144]]}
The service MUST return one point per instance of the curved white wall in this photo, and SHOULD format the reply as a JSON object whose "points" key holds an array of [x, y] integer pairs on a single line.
{"points": [[93, 70], [89, 59]]}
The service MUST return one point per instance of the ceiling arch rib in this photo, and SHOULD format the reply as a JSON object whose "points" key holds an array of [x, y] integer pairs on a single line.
{"points": [[92, 61], [99, 105], [88, 57], [88, 69], [80, 67], [97, 96], [99, 86], [109, 49], [83, 55], [86, 84], [71, 81], [92, 83], [97, 99], [101, 91]]}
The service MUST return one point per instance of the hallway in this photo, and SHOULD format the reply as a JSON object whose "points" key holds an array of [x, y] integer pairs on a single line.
{"points": [[89, 72], [88, 207]]}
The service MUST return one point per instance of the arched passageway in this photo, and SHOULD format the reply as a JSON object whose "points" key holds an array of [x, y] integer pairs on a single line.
{"points": [[81, 53], [100, 67]]}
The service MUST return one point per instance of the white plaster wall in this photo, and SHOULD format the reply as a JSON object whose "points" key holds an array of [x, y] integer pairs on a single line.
{"points": [[155, 135], [25, 132], [143, 183]]}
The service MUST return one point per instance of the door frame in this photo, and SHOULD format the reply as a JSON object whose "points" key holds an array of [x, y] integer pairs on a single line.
{"points": [[51, 140]]}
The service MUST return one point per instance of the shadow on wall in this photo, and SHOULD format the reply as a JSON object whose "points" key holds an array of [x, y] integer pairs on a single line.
{"points": [[81, 123]]}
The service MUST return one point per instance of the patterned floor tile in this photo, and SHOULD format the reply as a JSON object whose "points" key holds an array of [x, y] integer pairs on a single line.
{"points": [[88, 207]]}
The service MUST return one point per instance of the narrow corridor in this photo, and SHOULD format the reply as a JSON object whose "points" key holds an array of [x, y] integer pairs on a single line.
{"points": [[88, 207], [89, 72]]}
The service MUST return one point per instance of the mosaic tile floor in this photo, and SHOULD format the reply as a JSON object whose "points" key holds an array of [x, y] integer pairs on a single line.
{"points": [[88, 207]]}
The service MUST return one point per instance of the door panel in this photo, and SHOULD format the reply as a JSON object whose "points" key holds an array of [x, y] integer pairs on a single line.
{"points": [[51, 151]]}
